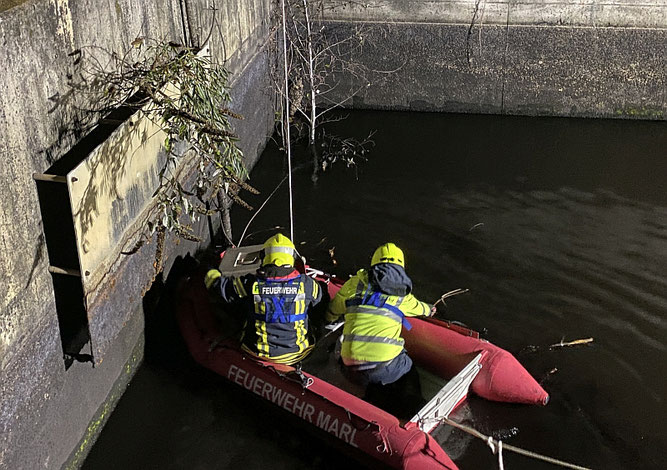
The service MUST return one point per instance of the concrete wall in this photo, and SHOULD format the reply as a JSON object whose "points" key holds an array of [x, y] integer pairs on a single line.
{"points": [[584, 58], [49, 416]]}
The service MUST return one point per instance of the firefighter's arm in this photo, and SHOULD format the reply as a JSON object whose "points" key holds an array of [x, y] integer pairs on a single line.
{"points": [[337, 305], [233, 289], [315, 291], [413, 307]]}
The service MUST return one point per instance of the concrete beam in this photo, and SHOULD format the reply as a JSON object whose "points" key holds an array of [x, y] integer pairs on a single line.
{"points": [[591, 13]]}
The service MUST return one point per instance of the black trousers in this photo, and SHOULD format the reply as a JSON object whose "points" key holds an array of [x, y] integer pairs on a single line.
{"points": [[402, 398]]}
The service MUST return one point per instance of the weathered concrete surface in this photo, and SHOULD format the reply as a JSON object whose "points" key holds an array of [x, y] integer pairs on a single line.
{"points": [[533, 57], [49, 415], [53, 420], [609, 72], [591, 13]]}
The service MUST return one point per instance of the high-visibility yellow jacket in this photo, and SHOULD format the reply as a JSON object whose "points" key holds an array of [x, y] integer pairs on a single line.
{"points": [[373, 319]]}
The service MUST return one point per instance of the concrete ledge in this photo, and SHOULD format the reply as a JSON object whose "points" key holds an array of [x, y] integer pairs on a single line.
{"points": [[42, 422], [593, 13]]}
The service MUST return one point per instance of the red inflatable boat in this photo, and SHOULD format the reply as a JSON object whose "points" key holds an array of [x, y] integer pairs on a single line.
{"points": [[320, 396]]}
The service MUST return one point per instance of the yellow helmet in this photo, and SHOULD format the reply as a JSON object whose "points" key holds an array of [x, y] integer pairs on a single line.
{"points": [[278, 250], [388, 253]]}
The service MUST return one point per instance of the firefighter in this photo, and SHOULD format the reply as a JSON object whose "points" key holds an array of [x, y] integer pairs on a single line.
{"points": [[376, 305], [277, 299]]}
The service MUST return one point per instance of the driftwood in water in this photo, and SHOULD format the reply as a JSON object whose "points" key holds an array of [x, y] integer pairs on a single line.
{"points": [[451, 293], [576, 342]]}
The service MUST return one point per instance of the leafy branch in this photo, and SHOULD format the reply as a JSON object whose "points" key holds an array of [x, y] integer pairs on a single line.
{"points": [[186, 95]]}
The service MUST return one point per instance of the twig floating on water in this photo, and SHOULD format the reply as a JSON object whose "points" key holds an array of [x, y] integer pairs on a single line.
{"points": [[451, 293], [481, 224], [576, 342]]}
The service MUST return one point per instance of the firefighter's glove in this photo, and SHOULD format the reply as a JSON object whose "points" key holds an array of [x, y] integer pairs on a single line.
{"points": [[211, 277]]}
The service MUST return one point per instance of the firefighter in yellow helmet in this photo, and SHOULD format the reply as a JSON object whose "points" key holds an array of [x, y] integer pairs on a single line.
{"points": [[277, 299], [376, 304]]}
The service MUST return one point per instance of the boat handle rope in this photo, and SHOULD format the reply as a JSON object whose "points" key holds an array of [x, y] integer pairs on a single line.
{"points": [[497, 447], [302, 380], [305, 380], [350, 418], [385, 446]]}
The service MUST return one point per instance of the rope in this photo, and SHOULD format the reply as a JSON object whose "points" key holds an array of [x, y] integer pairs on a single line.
{"points": [[497, 447], [258, 211], [385, 446], [298, 167], [286, 121]]}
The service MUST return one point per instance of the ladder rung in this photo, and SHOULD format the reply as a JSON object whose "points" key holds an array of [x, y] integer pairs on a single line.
{"points": [[65, 271], [50, 178]]}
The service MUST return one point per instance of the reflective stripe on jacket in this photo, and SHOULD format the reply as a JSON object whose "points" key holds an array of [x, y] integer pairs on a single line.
{"points": [[277, 326], [373, 320]]}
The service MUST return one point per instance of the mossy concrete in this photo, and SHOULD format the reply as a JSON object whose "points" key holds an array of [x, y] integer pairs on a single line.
{"points": [[104, 412]]}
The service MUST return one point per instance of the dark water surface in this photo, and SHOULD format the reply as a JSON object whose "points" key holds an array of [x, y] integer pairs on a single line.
{"points": [[557, 226]]}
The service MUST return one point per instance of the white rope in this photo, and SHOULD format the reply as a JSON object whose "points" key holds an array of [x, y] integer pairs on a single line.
{"points": [[500, 455], [287, 124], [497, 447], [258, 211]]}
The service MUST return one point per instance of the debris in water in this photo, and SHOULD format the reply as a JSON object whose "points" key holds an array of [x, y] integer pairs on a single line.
{"points": [[451, 293], [562, 344], [529, 349], [504, 434], [548, 375], [576, 342]]}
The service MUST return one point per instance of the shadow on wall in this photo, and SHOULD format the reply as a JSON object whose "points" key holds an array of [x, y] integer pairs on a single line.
{"points": [[60, 238], [164, 346]]}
